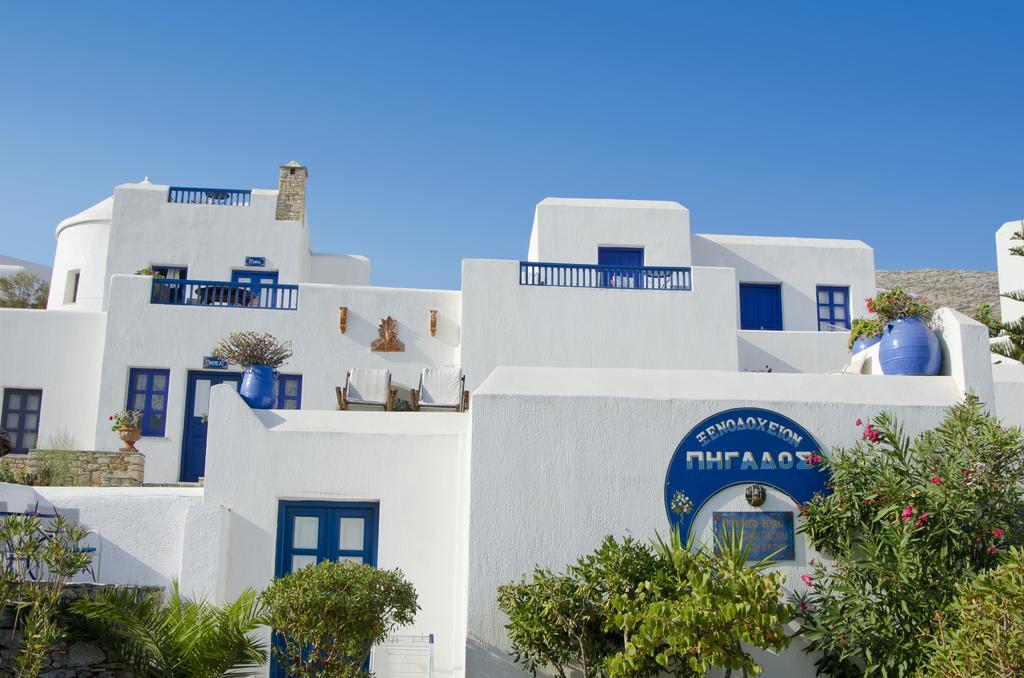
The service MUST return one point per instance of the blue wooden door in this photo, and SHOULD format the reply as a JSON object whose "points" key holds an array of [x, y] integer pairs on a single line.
{"points": [[21, 410], [310, 532], [760, 306], [262, 296], [626, 257], [197, 411]]}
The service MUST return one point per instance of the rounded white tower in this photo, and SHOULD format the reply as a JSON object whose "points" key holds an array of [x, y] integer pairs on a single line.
{"points": [[80, 263]]}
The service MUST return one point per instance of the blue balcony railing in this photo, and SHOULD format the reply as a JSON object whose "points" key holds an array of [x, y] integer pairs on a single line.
{"points": [[224, 294], [613, 277], [208, 196]]}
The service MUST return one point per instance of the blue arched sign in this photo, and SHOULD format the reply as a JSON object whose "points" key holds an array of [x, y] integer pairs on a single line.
{"points": [[739, 447]]}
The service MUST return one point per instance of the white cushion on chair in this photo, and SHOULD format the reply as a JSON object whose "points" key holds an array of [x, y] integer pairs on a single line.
{"points": [[368, 385], [441, 386]]}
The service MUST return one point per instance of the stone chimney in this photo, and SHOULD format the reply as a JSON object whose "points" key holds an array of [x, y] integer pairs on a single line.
{"points": [[291, 193]]}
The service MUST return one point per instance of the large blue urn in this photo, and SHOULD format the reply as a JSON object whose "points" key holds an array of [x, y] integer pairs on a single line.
{"points": [[257, 388], [863, 342], [909, 347]]}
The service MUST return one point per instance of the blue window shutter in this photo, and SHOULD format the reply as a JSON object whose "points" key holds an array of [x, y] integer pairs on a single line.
{"points": [[833, 308], [620, 256], [147, 392], [289, 391], [760, 306], [22, 408]]}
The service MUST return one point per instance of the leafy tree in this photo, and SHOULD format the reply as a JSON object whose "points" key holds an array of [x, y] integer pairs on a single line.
{"points": [[40, 558], [177, 638], [907, 523], [630, 610], [565, 621], [1013, 345], [23, 290], [982, 634], [699, 611], [987, 317], [329, 616]]}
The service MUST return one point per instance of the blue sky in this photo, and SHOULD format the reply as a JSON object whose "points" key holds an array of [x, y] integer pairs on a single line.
{"points": [[432, 129]]}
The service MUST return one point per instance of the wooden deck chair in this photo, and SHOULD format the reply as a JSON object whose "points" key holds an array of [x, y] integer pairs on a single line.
{"points": [[365, 386], [441, 388]]}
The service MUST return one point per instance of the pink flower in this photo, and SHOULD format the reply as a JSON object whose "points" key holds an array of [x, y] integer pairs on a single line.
{"points": [[936, 480], [921, 520], [870, 433], [806, 578], [992, 549], [860, 423], [998, 532], [814, 459], [803, 606], [907, 513]]}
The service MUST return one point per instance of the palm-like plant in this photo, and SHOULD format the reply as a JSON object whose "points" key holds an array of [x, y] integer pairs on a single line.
{"points": [[178, 638]]}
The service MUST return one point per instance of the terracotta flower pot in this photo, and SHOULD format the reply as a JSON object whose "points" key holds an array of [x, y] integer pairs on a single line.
{"points": [[129, 436]]}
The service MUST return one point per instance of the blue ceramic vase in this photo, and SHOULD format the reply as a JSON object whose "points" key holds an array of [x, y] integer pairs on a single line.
{"points": [[863, 342], [909, 347], [257, 388]]}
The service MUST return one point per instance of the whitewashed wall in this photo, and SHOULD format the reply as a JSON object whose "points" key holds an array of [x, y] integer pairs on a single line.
{"points": [[210, 239], [813, 352], [178, 337], [505, 323], [592, 462], [800, 264], [409, 462], [82, 242], [339, 269], [60, 353], [570, 230], [1011, 269], [139, 531]]}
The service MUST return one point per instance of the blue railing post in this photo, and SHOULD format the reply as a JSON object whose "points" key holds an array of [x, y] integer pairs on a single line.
{"points": [[597, 276], [224, 294], [209, 196]]}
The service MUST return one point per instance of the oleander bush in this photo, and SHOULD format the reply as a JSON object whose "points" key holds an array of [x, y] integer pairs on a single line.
{"points": [[910, 522], [41, 556], [329, 616], [982, 632], [629, 609]]}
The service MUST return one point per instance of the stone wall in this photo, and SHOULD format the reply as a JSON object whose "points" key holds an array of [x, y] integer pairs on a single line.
{"points": [[291, 192], [72, 658], [95, 469]]}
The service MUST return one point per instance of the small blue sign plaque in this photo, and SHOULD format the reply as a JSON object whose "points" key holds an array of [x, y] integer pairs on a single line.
{"points": [[211, 363], [739, 447], [769, 534], [255, 261]]}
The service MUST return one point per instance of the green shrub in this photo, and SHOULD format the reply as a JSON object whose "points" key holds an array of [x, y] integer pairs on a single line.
{"points": [[895, 303], [176, 638], [982, 634], [907, 523], [864, 327], [629, 610], [329, 616], [42, 557]]}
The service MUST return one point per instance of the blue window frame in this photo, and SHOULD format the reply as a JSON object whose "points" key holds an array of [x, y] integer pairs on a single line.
{"points": [[627, 257], [170, 272], [289, 391], [833, 308], [21, 410], [760, 306], [254, 277], [147, 392], [310, 532]]}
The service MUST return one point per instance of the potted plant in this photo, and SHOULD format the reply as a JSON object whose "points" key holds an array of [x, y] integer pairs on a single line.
{"points": [[126, 423], [259, 354], [865, 333], [908, 345]]}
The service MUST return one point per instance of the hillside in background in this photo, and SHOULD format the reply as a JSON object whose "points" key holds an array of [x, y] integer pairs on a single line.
{"points": [[962, 290]]}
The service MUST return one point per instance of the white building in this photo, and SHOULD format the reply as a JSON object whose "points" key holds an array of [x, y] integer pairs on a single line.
{"points": [[587, 364]]}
